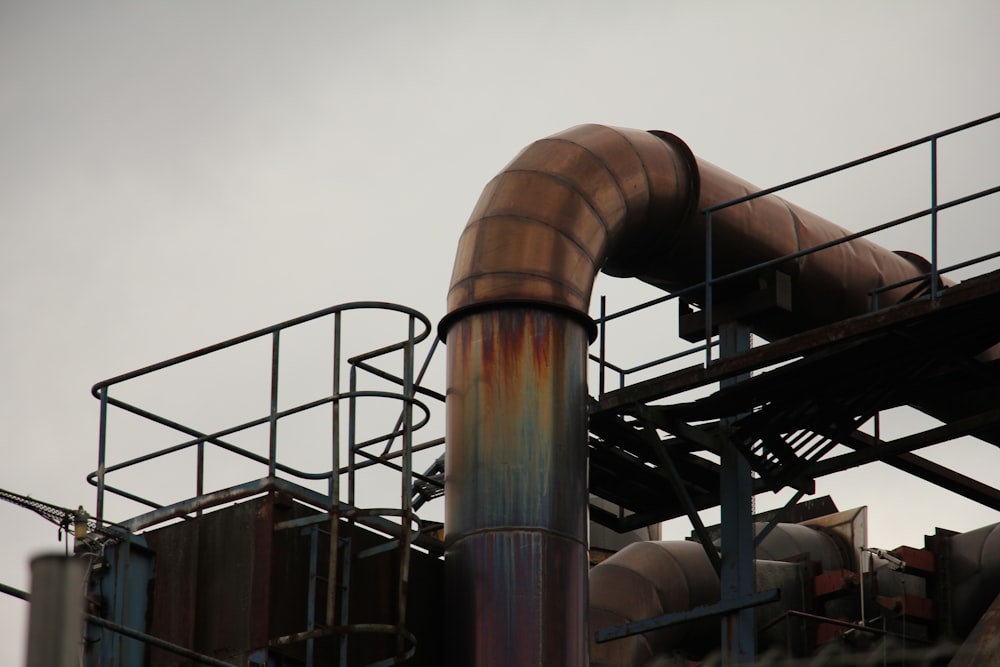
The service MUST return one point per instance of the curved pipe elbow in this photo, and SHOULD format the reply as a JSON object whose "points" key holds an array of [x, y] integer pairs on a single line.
{"points": [[626, 202], [563, 209]]}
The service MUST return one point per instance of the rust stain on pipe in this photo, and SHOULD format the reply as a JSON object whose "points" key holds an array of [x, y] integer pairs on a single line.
{"points": [[516, 507], [587, 199]]}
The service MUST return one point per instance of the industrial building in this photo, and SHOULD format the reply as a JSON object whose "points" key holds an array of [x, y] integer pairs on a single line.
{"points": [[799, 336]]}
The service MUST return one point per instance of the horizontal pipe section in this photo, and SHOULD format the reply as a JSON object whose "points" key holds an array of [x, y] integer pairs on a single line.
{"points": [[647, 580]]}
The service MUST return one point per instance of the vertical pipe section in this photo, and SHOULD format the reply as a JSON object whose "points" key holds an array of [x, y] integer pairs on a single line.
{"points": [[516, 505]]}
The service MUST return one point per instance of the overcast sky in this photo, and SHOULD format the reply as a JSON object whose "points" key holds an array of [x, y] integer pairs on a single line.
{"points": [[176, 173]]}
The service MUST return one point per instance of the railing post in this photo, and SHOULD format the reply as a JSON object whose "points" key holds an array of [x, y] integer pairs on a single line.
{"points": [[708, 288], [934, 221], [101, 455], [272, 456], [334, 489], [407, 491], [335, 416], [602, 343], [199, 483], [352, 409]]}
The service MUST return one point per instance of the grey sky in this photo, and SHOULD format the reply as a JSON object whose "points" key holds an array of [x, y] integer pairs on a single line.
{"points": [[176, 173]]}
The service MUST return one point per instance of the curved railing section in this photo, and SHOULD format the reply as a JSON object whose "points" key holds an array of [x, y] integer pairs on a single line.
{"points": [[382, 385]]}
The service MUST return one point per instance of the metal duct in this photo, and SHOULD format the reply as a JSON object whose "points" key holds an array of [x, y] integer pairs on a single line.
{"points": [[648, 579], [973, 575], [589, 198]]}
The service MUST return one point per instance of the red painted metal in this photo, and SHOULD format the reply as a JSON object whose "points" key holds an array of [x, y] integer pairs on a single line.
{"points": [[837, 582], [918, 561], [911, 606]]}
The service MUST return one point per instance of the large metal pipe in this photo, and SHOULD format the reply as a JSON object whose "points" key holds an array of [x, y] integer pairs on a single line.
{"points": [[648, 579], [567, 206]]}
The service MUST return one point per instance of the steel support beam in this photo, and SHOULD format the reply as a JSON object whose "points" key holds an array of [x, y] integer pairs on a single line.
{"points": [[739, 634]]}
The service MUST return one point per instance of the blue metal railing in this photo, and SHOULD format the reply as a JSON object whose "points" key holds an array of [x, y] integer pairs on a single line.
{"points": [[412, 396], [932, 276]]}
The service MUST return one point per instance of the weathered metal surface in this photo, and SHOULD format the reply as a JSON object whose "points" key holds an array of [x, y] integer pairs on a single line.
{"points": [[544, 226], [516, 507], [982, 646], [918, 561], [897, 357], [120, 593], [974, 574], [596, 197], [751, 599], [835, 582], [648, 579], [913, 607], [653, 588], [229, 585]]}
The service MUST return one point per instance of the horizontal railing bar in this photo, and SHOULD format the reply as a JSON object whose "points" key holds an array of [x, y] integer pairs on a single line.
{"points": [[385, 375], [124, 494], [801, 253], [941, 271], [356, 305], [214, 438], [853, 163], [393, 455], [671, 357]]}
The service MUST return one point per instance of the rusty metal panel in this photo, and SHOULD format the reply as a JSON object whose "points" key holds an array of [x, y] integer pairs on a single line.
{"points": [[227, 585]]}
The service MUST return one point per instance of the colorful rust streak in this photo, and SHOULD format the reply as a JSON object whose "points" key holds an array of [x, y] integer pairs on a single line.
{"points": [[516, 507]]}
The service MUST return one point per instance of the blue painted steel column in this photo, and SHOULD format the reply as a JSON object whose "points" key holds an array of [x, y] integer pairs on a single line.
{"points": [[739, 636], [516, 508]]}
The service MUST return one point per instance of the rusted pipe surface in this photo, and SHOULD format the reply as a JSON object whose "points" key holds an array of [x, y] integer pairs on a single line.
{"points": [[516, 507]]}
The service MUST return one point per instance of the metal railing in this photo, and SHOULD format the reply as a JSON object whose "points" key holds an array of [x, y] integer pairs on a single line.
{"points": [[359, 454], [931, 278], [391, 369]]}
